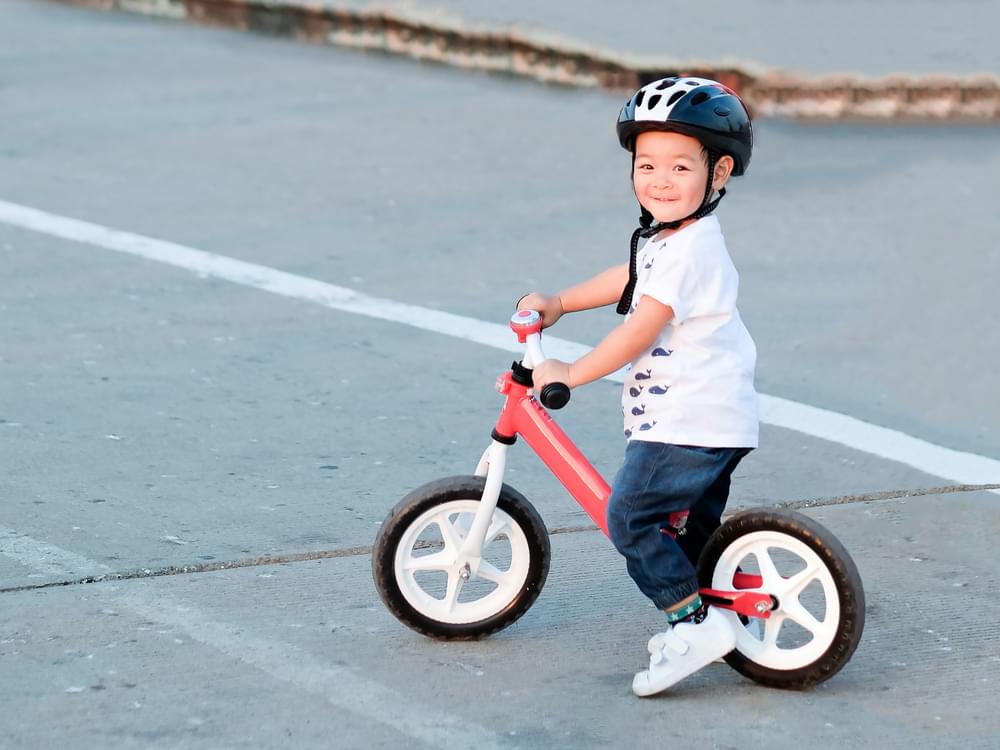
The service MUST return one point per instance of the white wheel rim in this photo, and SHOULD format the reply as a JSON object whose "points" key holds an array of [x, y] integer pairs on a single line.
{"points": [[459, 601], [764, 647]]}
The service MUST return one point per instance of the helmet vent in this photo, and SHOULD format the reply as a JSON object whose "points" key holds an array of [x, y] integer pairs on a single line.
{"points": [[639, 97], [700, 97], [653, 100], [675, 96], [691, 83], [666, 83]]}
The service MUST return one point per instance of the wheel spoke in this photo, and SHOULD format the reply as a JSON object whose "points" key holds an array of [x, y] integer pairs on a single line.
{"points": [[768, 572], [772, 626], [802, 616], [497, 527], [793, 586], [451, 595], [490, 572], [451, 536], [442, 560]]}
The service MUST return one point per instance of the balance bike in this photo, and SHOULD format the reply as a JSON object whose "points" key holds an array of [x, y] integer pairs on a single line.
{"points": [[466, 556]]}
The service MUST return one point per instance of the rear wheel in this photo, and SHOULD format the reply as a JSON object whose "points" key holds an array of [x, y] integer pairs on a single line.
{"points": [[818, 613], [428, 585]]}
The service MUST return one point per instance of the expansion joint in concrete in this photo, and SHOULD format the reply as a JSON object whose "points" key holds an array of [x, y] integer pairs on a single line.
{"points": [[211, 567]]}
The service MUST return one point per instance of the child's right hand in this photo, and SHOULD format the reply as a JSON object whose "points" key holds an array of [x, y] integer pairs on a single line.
{"points": [[550, 308]]}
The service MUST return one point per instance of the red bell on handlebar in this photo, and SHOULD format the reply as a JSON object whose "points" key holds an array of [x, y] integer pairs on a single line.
{"points": [[525, 322]]}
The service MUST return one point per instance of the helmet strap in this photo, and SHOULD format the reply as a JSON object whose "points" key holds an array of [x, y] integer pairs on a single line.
{"points": [[707, 204], [625, 302]]}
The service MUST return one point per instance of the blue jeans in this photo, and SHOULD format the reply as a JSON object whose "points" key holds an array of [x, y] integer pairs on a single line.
{"points": [[658, 479]]}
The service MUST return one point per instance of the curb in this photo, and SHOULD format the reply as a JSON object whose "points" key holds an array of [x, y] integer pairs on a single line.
{"points": [[769, 93]]}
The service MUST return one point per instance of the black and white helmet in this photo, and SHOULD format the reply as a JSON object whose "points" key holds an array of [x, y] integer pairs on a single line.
{"points": [[698, 107]]}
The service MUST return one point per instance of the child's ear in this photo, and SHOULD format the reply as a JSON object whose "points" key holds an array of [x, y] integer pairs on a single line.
{"points": [[723, 169]]}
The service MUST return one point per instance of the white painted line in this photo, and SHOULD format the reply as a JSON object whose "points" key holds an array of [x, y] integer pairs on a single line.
{"points": [[340, 686], [956, 466], [44, 558]]}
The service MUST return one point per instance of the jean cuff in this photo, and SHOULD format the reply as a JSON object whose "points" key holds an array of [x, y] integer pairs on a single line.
{"points": [[670, 596]]}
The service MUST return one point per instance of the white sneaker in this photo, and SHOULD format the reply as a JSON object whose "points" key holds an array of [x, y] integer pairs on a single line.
{"points": [[682, 651]]}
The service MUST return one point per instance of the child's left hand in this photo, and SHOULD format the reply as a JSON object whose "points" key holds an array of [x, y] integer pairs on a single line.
{"points": [[550, 371]]}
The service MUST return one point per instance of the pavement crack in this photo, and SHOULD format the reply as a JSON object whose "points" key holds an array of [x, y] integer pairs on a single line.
{"points": [[888, 495], [211, 567]]}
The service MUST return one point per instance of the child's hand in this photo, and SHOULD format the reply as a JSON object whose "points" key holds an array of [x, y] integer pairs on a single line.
{"points": [[550, 308], [550, 371]]}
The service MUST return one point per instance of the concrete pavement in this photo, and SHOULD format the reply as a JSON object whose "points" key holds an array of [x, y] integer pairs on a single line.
{"points": [[323, 664], [152, 418]]}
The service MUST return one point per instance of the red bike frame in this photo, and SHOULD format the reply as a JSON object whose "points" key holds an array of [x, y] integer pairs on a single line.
{"points": [[523, 416]]}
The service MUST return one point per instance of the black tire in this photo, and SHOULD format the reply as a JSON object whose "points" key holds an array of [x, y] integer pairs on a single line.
{"points": [[436, 493], [850, 593]]}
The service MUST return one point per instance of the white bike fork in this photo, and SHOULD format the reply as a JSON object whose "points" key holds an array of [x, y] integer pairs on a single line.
{"points": [[492, 466]]}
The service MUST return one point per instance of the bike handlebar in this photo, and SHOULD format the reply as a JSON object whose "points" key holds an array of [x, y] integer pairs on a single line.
{"points": [[527, 324], [554, 395]]}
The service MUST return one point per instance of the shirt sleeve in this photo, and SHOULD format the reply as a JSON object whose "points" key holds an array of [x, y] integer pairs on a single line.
{"points": [[694, 284], [673, 281]]}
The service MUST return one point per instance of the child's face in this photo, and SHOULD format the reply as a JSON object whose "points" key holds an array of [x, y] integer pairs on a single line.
{"points": [[670, 173]]}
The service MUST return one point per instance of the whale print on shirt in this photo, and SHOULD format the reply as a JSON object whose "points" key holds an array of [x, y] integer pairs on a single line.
{"points": [[659, 390], [634, 391], [644, 375], [661, 352], [638, 411]]}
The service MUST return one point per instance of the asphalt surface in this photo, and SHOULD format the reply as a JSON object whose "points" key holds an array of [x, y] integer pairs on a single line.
{"points": [[152, 418]]}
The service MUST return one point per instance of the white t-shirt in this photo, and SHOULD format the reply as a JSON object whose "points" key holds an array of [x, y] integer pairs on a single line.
{"points": [[694, 386]]}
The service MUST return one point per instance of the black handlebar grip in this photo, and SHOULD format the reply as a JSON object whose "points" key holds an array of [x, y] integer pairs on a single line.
{"points": [[554, 395]]}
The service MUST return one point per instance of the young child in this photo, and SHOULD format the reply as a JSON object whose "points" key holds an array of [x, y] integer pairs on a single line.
{"points": [[689, 402]]}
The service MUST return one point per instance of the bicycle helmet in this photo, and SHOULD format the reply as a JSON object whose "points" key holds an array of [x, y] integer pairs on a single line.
{"points": [[698, 107]]}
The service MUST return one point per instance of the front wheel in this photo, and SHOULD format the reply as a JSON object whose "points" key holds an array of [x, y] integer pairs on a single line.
{"points": [[818, 611], [426, 583]]}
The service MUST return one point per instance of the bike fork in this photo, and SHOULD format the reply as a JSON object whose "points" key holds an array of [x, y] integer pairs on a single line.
{"points": [[492, 465]]}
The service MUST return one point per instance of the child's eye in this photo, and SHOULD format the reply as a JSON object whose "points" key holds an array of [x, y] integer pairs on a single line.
{"points": [[680, 168]]}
